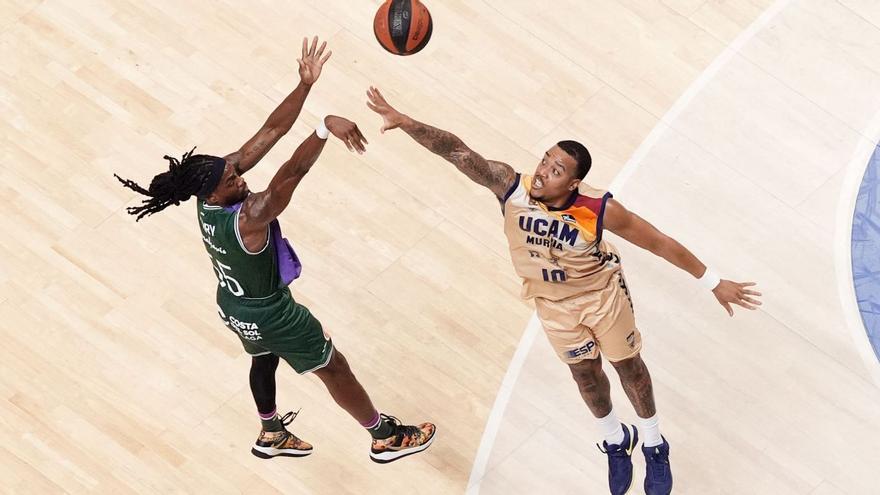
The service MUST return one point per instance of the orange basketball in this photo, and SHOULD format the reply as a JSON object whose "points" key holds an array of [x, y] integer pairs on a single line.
{"points": [[403, 27]]}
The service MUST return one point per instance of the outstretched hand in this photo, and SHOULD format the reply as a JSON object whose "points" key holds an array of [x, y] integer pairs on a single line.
{"points": [[348, 132], [728, 292], [312, 61], [391, 118]]}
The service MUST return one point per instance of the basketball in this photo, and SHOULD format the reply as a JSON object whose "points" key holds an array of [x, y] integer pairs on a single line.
{"points": [[403, 27]]}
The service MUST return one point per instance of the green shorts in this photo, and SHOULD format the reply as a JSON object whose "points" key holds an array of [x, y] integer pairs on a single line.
{"points": [[277, 325]]}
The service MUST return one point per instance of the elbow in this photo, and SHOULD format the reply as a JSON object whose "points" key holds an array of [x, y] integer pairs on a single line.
{"points": [[273, 130]]}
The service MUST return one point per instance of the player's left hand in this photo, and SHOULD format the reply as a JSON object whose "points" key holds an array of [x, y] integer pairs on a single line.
{"points": [[729, 292], [312, 61]]}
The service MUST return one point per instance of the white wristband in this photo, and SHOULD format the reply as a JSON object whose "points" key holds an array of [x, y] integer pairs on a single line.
{"points": [[322, 130], [710, 279]]}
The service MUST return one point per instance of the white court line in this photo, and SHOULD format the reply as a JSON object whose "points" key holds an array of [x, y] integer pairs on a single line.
{"points": [[493, 423], [846, 206]]}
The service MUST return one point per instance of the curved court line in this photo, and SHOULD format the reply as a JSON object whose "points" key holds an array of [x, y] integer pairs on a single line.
{"points": [[493, 423], [846, 205]]}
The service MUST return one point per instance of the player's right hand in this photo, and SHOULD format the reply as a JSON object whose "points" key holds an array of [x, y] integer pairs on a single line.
{"points": [[391, 118], [347, 131]]}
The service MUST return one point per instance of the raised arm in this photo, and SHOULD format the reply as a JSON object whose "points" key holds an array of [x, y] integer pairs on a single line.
{"points": [[638, 231], [282, 118], [496, 176], [259, 209]]}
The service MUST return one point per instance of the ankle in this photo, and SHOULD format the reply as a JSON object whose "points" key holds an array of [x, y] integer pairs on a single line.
{"points": [[650, 431], [271, 421], [611, 429], [379, 427]]}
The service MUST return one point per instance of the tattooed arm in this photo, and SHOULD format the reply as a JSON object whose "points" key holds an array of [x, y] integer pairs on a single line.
{"points": [[282, 118], [498, 177]]}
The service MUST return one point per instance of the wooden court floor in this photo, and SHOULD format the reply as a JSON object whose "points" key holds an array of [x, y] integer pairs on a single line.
{"points": [[732, 125]]}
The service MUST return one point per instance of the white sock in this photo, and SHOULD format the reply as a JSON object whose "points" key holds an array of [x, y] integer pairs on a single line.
{"points": [[650, 431], [611, 429]]}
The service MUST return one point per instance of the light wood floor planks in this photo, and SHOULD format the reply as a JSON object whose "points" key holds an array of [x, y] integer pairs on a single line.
{"points": [[117, 375]]}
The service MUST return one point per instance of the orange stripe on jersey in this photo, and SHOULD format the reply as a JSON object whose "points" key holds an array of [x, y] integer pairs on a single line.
{"points": [[586, 218], [584, 211]]}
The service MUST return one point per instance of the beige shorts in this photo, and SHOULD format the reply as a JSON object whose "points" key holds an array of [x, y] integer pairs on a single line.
{"points": [[582, 326]]}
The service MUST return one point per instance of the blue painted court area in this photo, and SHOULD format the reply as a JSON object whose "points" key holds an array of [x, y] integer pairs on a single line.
{"points": [[866, 250]]}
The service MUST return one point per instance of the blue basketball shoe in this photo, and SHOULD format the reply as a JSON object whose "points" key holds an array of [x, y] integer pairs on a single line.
{"points": [[658, 476], [620, 465]]}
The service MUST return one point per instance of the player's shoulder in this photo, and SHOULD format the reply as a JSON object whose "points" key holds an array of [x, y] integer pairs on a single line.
{"points": [[516, 182], [590, 191], [591, 198]]}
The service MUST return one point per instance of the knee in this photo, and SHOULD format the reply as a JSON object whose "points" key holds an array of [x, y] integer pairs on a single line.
{"points": [[337, 368], [586, 373], [266, 364], [632, 368]]}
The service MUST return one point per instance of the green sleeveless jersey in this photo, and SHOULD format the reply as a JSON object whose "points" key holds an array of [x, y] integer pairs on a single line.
{"points": [[239, 272], [252, 295]]}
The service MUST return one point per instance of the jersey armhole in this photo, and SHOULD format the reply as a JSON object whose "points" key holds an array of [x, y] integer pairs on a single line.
{"points": [[512, 188], [599, 222], [241, 241]]}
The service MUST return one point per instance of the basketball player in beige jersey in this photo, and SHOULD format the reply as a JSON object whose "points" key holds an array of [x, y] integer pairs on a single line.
{"points": [[554, 224]]}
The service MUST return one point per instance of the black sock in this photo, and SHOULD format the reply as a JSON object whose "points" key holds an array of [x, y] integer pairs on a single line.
{"points": [[383, 429], [262, 381], [273, 424]]}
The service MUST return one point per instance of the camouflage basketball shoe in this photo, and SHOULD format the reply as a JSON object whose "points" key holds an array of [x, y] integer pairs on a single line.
{"points": [[281, 443], [406, 440]]}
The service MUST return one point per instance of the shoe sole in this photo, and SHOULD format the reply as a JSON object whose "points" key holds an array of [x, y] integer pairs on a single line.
{"points": [[270, 452], [386, 457]]}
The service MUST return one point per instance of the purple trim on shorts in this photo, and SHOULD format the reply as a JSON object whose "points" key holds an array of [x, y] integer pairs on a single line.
{"points": [[271, 415], [372, 423]]}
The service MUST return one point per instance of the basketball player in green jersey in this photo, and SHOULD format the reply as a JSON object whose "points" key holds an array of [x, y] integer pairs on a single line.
{"points": [[554, 224], [254, 264]]}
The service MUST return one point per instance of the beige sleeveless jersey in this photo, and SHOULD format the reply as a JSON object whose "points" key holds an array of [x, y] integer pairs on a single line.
{"points": [[559, 253]]}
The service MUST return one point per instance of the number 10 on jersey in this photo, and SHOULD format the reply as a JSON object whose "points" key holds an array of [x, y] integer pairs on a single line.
{"points": [[553, 275]]}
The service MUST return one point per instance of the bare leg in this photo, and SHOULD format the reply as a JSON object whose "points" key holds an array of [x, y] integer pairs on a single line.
{"points": [[636, 382], [345, 388], [594, 385]]}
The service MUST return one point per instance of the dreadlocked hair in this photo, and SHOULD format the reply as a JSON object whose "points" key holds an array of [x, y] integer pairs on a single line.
{"points": [[184, 178]]}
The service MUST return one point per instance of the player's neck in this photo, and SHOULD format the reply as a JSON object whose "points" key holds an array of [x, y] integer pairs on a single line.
{"points": [[562, 202], [224, 204]]}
